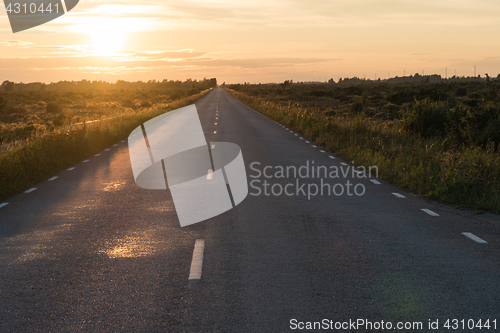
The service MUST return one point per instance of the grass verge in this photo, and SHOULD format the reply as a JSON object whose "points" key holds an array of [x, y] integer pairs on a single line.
{"points": [[463, 176], [23, 166]]}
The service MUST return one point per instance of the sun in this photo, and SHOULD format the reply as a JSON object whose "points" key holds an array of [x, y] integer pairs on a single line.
{"points": [[108, 36], [107, 42]]}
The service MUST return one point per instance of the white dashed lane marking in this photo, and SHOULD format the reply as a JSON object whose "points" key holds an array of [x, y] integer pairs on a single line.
{"points": [[97, 155], [106, 149], [301, 138], [474, 237], [73, 168], [53, 178], [399, 195], [321, 151], [215, 132], [197, 262], [3, 204], [332, 157], [115, 145], [30, 190], [430, 212], [343, 163], [375, 181], [313, 146], [85, 161]]}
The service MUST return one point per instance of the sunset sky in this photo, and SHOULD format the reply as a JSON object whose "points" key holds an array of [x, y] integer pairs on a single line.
{"points": [[255, 41]]}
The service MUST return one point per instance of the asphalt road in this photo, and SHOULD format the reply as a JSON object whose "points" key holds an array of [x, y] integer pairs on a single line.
{"points": [[90, 251]]}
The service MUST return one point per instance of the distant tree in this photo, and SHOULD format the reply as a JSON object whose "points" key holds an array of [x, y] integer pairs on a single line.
{"points": [[7, 85]]}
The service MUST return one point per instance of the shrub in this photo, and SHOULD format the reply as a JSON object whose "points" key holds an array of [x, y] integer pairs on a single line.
{"points": [[53, 108], [426, 118], [461, 92], [129, 104], [3, 102], [18, 109]]}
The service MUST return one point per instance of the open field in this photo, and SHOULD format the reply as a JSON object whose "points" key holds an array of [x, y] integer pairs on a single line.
{"points": [[38, 142], [440, 141]]}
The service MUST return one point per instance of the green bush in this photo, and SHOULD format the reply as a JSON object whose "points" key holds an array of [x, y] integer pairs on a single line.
{"points": [[426, 118]]}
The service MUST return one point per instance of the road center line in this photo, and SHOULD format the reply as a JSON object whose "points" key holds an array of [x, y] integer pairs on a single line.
{"points": [[197, 262], [85, 161], [215, 132], [332, 157], [30, 190], [73, 168], [430, 212], [106, 149], [321, 151], [375, 181], [53, 178], [474, 237], [3, 204], [399, 195], [343, 163], [97, 155]]}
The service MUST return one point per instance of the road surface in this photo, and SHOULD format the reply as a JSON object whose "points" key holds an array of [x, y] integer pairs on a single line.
{"points": [[90, 251]]}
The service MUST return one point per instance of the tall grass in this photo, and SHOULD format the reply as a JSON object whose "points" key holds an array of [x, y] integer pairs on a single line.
{"points": [[27, 163], [462, 175]]}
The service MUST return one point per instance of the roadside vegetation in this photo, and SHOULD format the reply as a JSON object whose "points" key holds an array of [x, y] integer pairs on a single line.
{"points": [[440, 140], [46, 128]]}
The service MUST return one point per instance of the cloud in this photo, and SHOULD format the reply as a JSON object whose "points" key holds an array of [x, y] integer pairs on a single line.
{"points": [[15, 43]]}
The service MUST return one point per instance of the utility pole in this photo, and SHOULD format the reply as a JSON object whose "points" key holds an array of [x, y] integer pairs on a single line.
{"points": [[474, 70], [446, 72]]}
